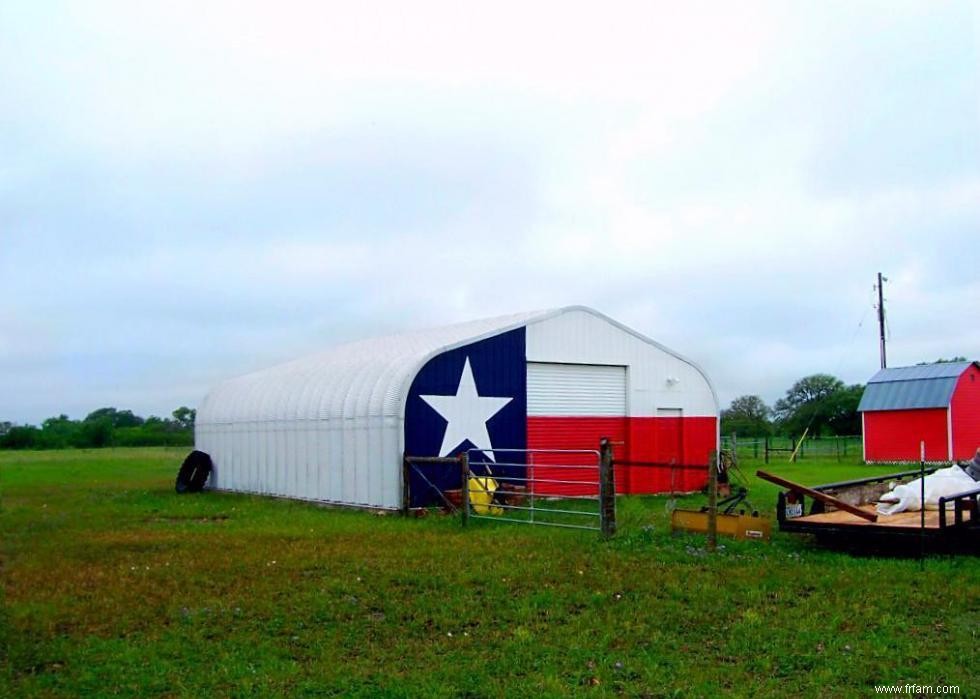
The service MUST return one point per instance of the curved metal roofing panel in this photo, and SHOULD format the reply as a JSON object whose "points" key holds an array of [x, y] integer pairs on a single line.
{"points": [[368, 377], [363, 378]]}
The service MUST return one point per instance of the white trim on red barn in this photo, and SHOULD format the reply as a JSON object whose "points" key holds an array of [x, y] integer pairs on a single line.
{"points": [[949, 430]]}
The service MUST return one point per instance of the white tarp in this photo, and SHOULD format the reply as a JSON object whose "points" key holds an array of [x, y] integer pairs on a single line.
{"points": [[941, 483]]}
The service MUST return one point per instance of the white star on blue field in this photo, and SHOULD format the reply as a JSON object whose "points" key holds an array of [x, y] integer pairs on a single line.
{"points": [[466, 414]]}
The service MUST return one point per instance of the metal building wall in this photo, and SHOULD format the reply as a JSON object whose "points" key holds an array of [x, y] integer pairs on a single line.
{"points": [[331, 427], [328, 427], [671, 412], [657, 377], [311, 430]]}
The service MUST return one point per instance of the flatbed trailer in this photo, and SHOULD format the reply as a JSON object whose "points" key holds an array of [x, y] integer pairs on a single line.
{"points": [[845, 511]]}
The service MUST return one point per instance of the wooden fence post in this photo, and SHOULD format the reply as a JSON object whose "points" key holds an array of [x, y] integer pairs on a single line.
{"points": [[713, 501], [406, 493], [607, 489], [464, 463]]}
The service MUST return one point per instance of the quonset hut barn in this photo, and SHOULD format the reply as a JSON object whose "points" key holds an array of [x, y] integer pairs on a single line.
{"points": [[935, 403], [333, 427]]}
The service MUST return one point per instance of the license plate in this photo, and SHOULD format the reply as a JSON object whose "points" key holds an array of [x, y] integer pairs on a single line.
{"points": [[794, 510]]}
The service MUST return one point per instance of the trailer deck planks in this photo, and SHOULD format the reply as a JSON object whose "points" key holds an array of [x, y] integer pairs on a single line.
{"points": [[902, 519]]}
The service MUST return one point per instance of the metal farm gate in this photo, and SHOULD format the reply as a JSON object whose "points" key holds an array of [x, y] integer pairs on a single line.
{"points": [[568, 488]]}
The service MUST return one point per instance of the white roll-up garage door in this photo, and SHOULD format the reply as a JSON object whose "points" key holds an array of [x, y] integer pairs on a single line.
{"points": [[576, 389]]}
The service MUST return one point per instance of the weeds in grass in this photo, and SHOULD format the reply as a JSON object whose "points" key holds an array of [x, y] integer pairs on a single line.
{"points": [[112, 584]]}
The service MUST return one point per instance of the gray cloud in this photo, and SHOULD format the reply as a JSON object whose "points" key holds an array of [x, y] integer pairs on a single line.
{"points": [[185, 197]]}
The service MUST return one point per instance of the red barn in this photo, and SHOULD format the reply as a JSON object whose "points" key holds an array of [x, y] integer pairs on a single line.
{"points": [[935, 403]]}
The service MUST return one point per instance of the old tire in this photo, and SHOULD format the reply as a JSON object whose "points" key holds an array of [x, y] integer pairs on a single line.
{"points": [[194, 472]]}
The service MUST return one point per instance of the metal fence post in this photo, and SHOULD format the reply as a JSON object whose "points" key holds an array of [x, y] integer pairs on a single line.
{"points": [[607, 489], [464, 462], [922, 504], [529, 473]]}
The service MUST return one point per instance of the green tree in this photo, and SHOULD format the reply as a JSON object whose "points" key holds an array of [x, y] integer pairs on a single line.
{"points": [[842, 410], [21, 437], [747, 416], [821, 402], [943, 361], [117, 418], [101, 428], [95, 433], [58, 432], [185, 417]]}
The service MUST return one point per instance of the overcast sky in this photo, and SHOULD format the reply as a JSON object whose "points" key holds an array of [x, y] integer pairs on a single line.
{"points": [[190, 191]]}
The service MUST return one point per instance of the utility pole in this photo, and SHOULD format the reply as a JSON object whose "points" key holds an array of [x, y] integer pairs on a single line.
{"points": [[881, 318]]}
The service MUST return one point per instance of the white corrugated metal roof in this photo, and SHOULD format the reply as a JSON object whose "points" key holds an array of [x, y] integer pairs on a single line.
{"points": [[368, 377]]}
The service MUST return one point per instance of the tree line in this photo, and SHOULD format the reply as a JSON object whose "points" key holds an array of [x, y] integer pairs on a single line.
{"points": [[820, 403], [105, 427]]}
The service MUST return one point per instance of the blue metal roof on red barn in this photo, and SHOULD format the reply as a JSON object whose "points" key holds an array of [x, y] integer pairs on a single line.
{"points": [[913, 387]]}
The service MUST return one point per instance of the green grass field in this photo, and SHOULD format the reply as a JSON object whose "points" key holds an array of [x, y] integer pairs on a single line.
{"points": [[114, 585]]}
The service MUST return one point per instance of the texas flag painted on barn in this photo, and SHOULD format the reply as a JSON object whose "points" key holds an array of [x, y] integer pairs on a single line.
{"points": [[492, 399], [473, 397]]}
